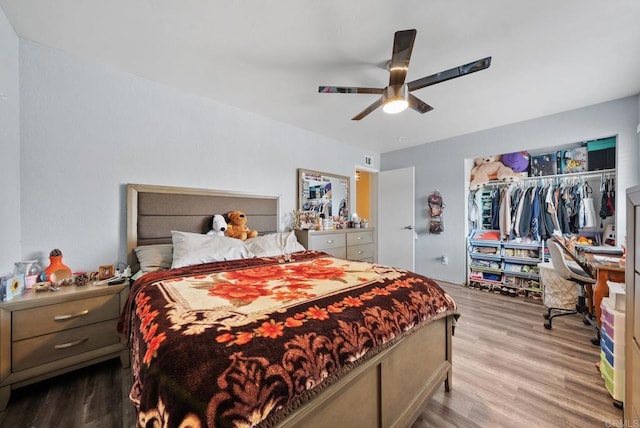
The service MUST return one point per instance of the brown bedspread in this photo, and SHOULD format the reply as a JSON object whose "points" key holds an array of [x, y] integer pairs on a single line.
{"points": [[244, 342]]}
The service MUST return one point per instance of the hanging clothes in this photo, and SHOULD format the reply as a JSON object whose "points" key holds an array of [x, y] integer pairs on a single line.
{"points": [[474, 210], [587, 209], [516, 199], [542, 226], [611, 201], [535, 215], [561, 210], [524, 225], [539, 209], [495, 210], [604, 204], [551, 215], [505, 213]]}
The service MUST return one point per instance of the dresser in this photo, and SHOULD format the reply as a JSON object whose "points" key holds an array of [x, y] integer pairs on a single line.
{"points": [[351, 244], [44, 334], [632, 330]]}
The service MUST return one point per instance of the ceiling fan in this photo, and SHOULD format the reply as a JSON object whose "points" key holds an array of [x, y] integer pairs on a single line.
{"points": [[396, 96]]}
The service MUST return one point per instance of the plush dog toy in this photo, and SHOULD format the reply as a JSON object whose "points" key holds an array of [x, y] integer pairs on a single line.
{"points": [[490, 168], [237, 226], [218, 226]]}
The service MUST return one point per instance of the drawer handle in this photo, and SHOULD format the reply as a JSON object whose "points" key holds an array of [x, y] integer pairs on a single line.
{"points": [[329, 241], [69, 316], [70, 344], [359, 238], [360, 252]]}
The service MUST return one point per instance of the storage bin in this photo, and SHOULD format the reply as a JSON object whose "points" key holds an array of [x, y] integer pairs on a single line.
{"points": [[557, 292], [607, 355], [607, 342], [615, 358], [613, 378], [612, 321], [601, 154], [615, 333], [601, 144]]}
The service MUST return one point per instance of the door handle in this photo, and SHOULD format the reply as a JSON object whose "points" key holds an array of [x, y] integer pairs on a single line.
{"points": [[409, 227]]}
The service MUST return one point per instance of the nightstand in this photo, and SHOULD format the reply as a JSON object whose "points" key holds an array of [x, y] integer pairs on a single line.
{"points": [[44, 334]]}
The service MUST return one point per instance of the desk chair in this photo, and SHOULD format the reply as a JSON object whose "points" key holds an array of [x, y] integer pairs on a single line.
{"points": [[571, 272]]}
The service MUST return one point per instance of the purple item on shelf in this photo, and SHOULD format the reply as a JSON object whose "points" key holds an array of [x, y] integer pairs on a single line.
{"points": [[517, 161]]}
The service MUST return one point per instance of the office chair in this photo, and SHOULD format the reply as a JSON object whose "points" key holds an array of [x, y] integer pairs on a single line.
{"points": [[571, 272]]}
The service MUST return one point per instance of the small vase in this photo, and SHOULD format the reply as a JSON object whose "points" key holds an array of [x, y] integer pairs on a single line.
{"points": [[56, 271]]}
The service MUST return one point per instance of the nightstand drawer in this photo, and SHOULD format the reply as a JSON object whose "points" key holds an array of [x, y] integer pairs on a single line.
{"points": [[52, 318], [327, 241], [359, 238], [55, 346], [360, 252]]}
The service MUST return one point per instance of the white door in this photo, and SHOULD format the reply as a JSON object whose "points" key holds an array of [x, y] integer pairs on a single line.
{"points": [[396, 214]]}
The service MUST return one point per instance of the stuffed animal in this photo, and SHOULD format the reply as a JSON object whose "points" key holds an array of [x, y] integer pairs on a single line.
{"points": [[490, 168], [218, 226], [237, 226]]}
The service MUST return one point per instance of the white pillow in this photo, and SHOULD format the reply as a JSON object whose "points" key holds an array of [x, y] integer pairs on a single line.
{"points": [[154, 257], [274, 244], [195, 248]]}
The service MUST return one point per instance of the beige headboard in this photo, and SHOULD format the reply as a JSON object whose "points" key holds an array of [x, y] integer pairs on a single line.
{"points": [[154, 211]]}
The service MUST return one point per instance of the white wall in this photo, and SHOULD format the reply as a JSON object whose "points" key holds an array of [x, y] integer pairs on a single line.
{"points": [[89, 129], [9, 147], [441, 165]]}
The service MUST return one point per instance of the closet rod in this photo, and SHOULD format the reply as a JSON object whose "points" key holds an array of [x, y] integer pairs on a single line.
{"points": [[588, 174]]}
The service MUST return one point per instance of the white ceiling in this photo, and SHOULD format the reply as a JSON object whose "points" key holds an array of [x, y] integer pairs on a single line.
{"points": [[269, 57]]}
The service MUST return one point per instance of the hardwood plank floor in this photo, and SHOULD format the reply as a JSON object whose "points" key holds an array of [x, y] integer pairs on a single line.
{"points": [[508, 371]]}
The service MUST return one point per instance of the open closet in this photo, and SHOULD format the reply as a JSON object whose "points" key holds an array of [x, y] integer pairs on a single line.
{"points": [[509, 222]]}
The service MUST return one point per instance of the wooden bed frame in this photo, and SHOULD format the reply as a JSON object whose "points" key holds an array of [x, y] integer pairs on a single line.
{"points": [[388, 390]]}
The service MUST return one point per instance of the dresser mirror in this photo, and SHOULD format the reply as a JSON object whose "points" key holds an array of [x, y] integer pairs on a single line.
{"points": [[323, 193]]}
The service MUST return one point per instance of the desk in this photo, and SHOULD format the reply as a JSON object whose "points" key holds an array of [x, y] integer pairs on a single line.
{"points": [[608, 269]]}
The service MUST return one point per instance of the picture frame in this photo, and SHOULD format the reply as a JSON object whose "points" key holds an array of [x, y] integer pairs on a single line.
{"points": [[106, 271], [11, 285]]}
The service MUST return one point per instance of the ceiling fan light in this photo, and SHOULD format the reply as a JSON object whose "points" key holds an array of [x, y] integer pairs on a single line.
{"points": [[395, 106], [396, 99]]}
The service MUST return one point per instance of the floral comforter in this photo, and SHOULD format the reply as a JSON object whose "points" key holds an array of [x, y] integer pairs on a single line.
{"points": [[242, 343]]}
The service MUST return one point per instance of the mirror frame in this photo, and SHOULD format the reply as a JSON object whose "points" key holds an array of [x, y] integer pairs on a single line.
{"points": [[322, 176]]}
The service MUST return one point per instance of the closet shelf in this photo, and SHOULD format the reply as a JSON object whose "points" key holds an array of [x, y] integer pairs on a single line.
{"points": [[525, 260], [512, 264]]}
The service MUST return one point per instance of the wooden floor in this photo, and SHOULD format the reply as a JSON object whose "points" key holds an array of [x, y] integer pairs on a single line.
{"points": [[508, 371]]}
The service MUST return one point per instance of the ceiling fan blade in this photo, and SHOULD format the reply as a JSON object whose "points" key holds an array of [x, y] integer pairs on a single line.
{"points": [[368, 110], [418, 105], [348, 90], [402, 47], [452, 73]]}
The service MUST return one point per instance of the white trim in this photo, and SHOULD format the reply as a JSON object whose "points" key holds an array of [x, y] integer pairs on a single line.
{"points": [[366, 168]]}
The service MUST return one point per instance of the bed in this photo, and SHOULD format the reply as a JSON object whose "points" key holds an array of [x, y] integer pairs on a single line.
{"points": [[264, 333]]}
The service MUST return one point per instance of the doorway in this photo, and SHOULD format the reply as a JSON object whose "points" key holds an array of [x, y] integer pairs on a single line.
{"points": [[363, 193], [366, 198], [367, 187]]}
